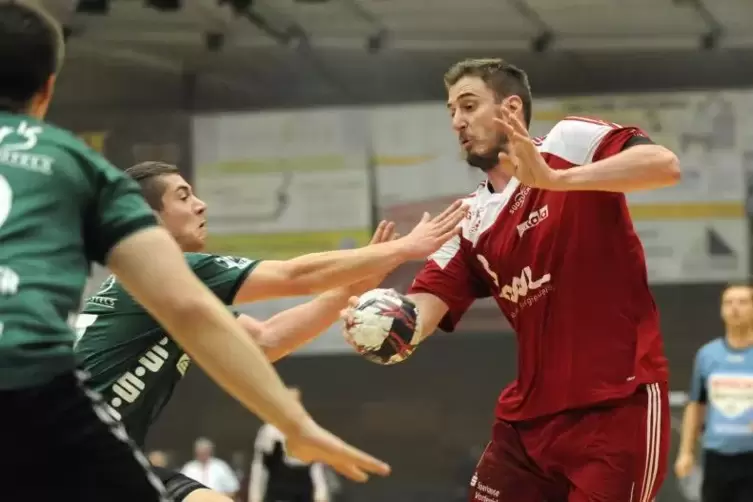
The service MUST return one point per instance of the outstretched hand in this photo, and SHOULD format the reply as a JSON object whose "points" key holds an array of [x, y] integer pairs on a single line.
{"points": [[312, 443], [431, 233]]}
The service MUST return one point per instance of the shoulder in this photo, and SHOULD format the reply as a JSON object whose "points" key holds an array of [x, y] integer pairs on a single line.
{"points": [[212, 267], [575, 139], [712, 349], [189, 466], [67, 144]]}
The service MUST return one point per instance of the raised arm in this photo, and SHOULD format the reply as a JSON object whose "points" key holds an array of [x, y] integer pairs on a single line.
{"points": [[318, 272]]}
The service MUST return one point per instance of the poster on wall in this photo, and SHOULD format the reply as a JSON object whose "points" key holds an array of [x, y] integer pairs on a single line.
{"points": [[283, 184], [694, 231]]}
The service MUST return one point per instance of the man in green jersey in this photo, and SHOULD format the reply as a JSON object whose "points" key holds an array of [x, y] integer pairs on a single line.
{"points": [[135, 365], [62, 207]]}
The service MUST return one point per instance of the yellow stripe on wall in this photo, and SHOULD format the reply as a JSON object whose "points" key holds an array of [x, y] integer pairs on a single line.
{"points": [[688, 211], [402, 160], [285, 245]]}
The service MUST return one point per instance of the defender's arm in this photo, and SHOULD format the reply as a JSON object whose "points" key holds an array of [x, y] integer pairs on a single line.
{"points": [[318, 272], [151, 267]]}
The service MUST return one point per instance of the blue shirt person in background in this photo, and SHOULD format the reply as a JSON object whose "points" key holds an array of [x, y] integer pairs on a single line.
{"points": [[721, 404]]}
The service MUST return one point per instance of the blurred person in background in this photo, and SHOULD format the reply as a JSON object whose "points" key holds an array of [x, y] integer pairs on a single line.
{"points": [[63, 208], [128, 353], [721, 405], [212, 472], [158, 458], [278, 477], [549, 236]]}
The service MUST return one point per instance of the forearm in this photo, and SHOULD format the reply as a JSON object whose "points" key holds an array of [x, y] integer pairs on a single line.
{"points": [[642, 167], [692, 420], [285, 332], [431, 311], [320, 272]]}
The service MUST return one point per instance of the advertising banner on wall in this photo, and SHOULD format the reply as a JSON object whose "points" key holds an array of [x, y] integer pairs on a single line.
{"points": [[285, 183], [282, 184], [693, 232]]}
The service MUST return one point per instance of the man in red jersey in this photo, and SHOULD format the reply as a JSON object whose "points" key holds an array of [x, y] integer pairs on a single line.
{"points": [[549, 236]]}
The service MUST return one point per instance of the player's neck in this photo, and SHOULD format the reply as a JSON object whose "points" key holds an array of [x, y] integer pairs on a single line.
{"points": [[739, 337], [498, 179]]}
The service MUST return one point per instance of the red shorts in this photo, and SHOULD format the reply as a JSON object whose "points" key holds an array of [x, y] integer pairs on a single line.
{"points": [[612, 453]]}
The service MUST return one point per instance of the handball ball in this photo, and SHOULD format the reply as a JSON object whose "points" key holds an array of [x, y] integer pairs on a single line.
{"points": [[383, 326]]}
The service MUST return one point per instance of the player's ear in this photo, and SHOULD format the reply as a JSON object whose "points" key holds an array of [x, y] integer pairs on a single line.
{"points": [[514, 103]]}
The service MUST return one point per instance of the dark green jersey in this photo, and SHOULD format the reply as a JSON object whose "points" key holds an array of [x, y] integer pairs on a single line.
{"points": [[132, 361], [62, 206]]}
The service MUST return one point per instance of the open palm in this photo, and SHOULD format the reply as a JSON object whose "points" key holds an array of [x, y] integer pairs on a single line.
{"points": [[522, 159]]}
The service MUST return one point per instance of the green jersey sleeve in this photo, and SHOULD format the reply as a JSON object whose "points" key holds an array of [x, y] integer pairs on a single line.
{"points": [[224, 275], [119, 209]]}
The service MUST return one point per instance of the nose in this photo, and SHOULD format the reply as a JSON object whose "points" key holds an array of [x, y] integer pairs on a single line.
{"points": [[458, 123], [200, 206]]}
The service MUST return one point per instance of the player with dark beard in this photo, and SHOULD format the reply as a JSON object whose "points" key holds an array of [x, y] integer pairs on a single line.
{"points": [[549, 236]]}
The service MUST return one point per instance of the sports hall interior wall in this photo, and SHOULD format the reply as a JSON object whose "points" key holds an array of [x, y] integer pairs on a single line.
{"points": [[425, 414]]}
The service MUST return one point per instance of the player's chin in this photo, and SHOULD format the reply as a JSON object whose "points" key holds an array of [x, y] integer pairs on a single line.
{"points": [[196, 244]]}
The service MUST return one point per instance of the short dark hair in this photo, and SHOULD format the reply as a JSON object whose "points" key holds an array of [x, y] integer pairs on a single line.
{"points": [[502, 77], [31, 51], [148, 175]]}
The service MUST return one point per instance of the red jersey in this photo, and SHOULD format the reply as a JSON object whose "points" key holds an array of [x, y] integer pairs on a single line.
{"points": [[568, 271]]}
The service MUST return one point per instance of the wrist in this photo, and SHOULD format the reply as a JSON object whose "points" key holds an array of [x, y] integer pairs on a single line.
{"points": [[296, 422], [403, 250], [561, 180]]}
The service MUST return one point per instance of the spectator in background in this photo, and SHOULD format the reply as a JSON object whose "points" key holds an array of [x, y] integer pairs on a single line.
{"points": [[209, 470], [276, 477], [721, 401]]}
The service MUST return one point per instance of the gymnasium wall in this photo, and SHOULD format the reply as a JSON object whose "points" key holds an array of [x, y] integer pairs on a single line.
{"points": [[425, 416]]}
